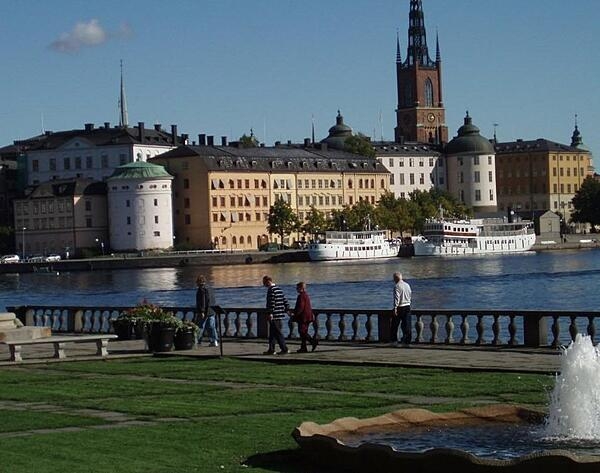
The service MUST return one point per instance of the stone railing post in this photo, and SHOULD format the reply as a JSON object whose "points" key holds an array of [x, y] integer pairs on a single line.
{"points": [[262, 325], [534, 330], [384, 327]]}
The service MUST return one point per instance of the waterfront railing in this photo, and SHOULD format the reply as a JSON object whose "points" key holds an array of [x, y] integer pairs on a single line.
{"points": [[513, 328]]}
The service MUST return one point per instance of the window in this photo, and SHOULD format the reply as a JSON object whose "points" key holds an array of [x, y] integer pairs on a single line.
{"points": [[490, 160], [247, 183], [122, 159], [411, 162], [476, 178], [214, 201], [78, 162], [52, 164], [89, 162], [431, 162], [186, 202], [476, 160], [127, 203], [421, 178], [156, 234], [421, 162], [104, 161], [67, 163], [412, 179], [491, 194], [88, 205], [222, 201], [428, 93], [88, 222], [155, 202], [490, 176], [391, 162], [156, 219], [35, 165], [401, 179], [187, 219], [186, 183]]}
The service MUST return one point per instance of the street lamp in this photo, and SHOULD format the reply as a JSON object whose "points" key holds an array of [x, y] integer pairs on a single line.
{"points": [[101, 245], [23, 241]]}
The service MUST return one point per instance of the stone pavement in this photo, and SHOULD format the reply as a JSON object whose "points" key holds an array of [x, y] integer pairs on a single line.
{"points": [[467, 358]]}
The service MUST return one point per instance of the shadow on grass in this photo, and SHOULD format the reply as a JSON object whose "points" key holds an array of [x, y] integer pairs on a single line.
{"points": [[288, 461]]}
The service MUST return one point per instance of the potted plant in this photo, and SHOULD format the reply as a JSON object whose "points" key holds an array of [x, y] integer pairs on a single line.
{"points": [[186, 335], [123, 325], [159, 326]]}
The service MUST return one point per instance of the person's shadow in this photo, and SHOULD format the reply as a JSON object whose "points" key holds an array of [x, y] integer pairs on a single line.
{"points": [[287, 461]]}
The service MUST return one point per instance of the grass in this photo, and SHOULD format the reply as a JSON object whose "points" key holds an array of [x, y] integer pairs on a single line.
{"points": [[215, 415]]}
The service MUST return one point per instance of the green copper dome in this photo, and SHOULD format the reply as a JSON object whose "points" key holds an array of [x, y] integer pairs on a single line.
{"points": [[338, 133], [469, 141], [140, 170]]}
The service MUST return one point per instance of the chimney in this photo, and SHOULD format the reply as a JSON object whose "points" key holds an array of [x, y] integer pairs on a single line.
{"points": [[306, 142], [141, 132], [174, 134], [107, 125], [210, 140], [277, 143], [184, 138], [157, 126], [89, 126], [223, 141], [201, 139]]}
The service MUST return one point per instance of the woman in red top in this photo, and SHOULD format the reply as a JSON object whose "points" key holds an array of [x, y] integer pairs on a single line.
{"points": [[303, 316]]}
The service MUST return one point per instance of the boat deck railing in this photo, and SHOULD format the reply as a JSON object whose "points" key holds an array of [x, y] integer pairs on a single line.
{"points": [[528, 328]]}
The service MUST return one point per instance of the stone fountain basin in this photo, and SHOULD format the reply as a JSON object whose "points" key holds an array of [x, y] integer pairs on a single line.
{"points": [[325, 445]]}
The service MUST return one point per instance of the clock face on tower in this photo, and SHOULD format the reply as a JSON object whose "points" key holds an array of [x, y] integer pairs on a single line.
{"points": [[430, 117]]}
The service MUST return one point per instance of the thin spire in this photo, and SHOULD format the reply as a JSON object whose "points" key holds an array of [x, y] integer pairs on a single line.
{"points": [[313, 128], [438, 55], [123, 118], [398, 54], [417, 36]]}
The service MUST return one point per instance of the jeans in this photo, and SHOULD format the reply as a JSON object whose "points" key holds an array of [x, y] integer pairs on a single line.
{"points": [[275, 335], [208, 325], [406, 319]]}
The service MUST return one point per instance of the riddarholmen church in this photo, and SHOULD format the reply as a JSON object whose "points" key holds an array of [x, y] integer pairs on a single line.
{"points": [[530, 176]]}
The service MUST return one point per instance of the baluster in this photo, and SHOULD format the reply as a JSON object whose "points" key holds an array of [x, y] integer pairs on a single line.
{"points": [[328, 327], [342, 327], [316, 326], [449, 329], [38, 321], [78, 321], [369, 328], [496, 331], [226, 325], [87, 324], [512, 330], [104, 327], [480, 330], [47, 317], [238, 324], [573, 327], [420, 328], [355, 327], [97, 315], [434, 327], [249, 326], [555, 331], [464, 330], [591, 328]]}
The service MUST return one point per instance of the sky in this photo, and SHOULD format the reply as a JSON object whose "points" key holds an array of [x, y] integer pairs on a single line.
{"points": [[223, 67]]}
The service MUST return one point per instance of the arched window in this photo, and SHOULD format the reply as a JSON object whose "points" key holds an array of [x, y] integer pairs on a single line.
{"points": [[372, 183], [349, 183], [383, 183], [249, 240], [360, 184], [233, 240], [241, 240], [428, 93], [224, 241], [231, 184]]}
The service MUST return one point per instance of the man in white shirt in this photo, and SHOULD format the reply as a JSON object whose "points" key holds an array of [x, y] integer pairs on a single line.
{"points": [[402, 297]]}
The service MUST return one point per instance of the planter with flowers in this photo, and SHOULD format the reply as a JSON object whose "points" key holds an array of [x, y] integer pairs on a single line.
{"points": [[186, 335], [157, 325]]}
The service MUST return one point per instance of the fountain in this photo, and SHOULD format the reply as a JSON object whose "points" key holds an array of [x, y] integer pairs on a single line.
{"points": [[518, 439]]}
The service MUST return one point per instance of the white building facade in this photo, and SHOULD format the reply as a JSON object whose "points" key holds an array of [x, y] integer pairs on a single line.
{"points": [[94, 153], [140, 207], [413, 166]]}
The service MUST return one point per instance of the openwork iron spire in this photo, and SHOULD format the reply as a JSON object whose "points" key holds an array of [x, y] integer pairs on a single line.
{"points": [[123, 119], [417, 37], [398, 54]]}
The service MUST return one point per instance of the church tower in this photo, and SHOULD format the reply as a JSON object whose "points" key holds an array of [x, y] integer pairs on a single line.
{"points": [[420, 115]]}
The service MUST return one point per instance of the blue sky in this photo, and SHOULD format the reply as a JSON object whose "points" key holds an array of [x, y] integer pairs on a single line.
{"points": [[221, 67]]}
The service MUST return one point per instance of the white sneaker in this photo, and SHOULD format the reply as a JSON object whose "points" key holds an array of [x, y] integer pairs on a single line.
{"points": [[213, 344]]}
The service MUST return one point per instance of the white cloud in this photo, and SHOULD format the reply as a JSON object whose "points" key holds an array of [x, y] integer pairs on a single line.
{"points": [[88, 34]]}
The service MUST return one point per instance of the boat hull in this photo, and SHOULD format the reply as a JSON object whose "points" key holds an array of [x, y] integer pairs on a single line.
{"points": [[325, 252], [478, 246]]}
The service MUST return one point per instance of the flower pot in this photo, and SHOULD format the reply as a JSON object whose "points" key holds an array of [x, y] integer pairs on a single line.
{"points": [[160, 338], [122, 329], [139, 330], [184, 339]]}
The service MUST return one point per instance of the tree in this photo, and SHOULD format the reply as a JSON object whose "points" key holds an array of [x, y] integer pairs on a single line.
{"points": [[587, 203], [282, 220], [248, 141], [316, 223], [359, 144], [394, 214]]}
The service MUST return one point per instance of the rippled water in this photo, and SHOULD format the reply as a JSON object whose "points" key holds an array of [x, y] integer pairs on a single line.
{"points": [[565, 280]]}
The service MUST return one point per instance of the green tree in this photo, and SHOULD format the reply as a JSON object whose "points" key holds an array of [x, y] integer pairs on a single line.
{"points": [[248, 141], [394, 214], [359, 144], [282, 220], [587, 202], [316, 223]]}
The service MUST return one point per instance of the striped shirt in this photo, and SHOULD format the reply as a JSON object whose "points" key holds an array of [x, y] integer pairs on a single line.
{"points": [[277, 304]]}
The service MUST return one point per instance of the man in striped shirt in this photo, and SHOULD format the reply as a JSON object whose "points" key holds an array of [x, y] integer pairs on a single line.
{"points": [[277, 309]]}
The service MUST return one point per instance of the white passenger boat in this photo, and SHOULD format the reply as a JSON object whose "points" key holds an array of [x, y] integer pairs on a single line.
{"points": [[473, 237], [353, 245]]}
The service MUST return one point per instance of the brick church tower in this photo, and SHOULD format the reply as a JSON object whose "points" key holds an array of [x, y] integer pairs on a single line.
{"points": [[420, 115]]}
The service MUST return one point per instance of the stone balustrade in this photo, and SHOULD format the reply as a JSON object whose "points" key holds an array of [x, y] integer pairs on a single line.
{"points": [[530, 328]]}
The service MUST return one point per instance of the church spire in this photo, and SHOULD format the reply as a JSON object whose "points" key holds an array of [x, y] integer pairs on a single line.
{"points": [[576, 139], [398, 54], [417, 36], [123, 119], [438, 55]]}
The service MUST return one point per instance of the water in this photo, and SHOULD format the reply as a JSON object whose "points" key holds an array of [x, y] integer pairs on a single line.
{"points": [[574, 411], [565, 280], [499, 441]]}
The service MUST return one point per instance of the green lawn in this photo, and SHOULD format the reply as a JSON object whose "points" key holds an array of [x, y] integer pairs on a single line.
{"points": [[190, 415]]}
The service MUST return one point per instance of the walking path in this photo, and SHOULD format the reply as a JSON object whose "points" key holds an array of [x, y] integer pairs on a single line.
{"points": [[469, 358]]}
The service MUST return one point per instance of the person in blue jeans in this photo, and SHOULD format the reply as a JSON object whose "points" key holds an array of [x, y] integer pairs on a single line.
{"points": [[205, 315]]}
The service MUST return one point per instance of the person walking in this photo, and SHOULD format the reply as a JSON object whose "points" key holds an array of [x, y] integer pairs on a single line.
{"points": [[277, 308], [401, 317], [205, 315], [304, 316]]}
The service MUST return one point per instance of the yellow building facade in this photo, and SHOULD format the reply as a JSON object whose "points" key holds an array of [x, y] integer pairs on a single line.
{"points": [[540, 175], [222, 195]]}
